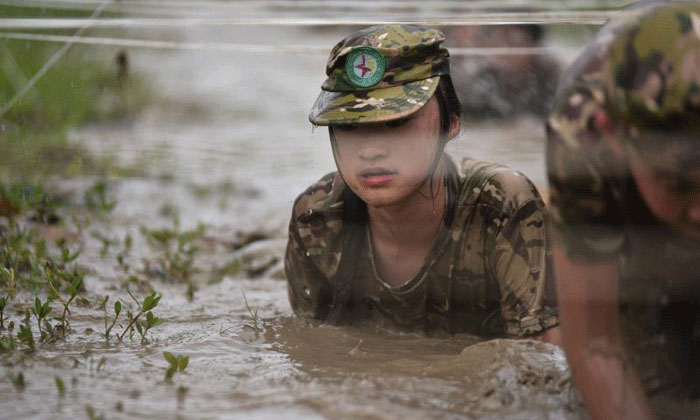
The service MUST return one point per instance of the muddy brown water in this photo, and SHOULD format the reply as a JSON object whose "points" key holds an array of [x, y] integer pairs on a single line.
{"points": [[231, 149]]}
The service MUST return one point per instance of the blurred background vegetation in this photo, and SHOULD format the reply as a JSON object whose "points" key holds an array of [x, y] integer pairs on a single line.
{"points": [[82, 87]]}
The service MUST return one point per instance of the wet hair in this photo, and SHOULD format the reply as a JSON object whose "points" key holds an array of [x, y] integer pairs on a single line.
{"points": [[355, 217]]}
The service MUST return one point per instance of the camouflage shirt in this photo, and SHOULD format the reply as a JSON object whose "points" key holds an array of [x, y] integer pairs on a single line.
{"points": [[484, 274]]}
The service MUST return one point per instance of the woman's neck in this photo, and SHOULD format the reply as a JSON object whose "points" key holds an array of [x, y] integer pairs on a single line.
{"points": [[402, 233]]}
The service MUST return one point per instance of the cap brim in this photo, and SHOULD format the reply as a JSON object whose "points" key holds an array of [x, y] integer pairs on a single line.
{"points": [[372, 105]]}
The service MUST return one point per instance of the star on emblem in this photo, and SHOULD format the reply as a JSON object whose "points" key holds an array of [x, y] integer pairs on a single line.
{"points": [[363, 66]]}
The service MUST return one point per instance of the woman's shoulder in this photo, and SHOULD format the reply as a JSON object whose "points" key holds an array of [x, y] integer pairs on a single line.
{"points": [[495, 185], [317, 221], [321, 197]]}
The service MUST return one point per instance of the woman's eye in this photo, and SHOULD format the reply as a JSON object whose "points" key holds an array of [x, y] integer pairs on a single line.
{"points": [[397, 123]]}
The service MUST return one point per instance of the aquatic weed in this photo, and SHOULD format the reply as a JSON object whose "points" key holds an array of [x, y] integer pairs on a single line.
{"points": [[7, 343], [101, 364], [190, 291], [106, 241], [72, 293], [8, 277], [96, 198], [17, 380], [60, 386], [178, 363], [22, 265], [22, 197], [177, 246], [117, 311], [253, 315], [149, 302], [40, 311], [66, 255], [128, 242], [231, 268], [3, 303], [24, 335], [93, 414], [27, 265]]}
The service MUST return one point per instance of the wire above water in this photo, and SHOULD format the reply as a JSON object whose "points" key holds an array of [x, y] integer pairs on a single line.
{"points": [[249, 48], [323, 4], [504, 18]]}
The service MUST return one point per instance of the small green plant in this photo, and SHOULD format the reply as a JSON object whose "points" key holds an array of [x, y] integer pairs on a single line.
{"points": [[8, 277], [253, 315], [190, 291], [106, 241], [231, 268], [128, 243], [66, 255], [96, 198], [117, 311], [177, 363], [149, 302], [3, 303], [72, 293], [178, 248], [60, 386], [93, 414], [121, 256], [40, 311], [25, 336], [18, 380], [7, 343], [101, 364], [22, 197]]}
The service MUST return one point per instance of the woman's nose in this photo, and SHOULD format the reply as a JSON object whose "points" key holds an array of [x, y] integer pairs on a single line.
{"points": [[372, 150]]}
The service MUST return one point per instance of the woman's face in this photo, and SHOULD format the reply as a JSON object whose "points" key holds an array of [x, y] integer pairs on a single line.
{"points": [[673, 196], [386, 163]]}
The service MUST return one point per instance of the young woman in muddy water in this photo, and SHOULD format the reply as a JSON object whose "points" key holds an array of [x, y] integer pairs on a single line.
{"points": [[401, 234]]}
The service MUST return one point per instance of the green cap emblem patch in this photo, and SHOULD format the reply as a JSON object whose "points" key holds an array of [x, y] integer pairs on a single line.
{"points": [[365, 67]]}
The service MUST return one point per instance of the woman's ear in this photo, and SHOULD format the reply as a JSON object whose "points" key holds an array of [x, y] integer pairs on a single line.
{"points": [[454, 127]]}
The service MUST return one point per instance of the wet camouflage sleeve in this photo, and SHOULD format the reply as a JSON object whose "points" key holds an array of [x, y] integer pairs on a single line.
{"points": [[308, 288], [309, 292], [518, 257]]}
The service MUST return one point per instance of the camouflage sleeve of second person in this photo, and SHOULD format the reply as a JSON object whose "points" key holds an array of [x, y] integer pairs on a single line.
{"points": [[584, 178], [518, 255]]}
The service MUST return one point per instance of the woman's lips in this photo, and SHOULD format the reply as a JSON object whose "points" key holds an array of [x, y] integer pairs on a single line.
{"points": [[376, 177]]}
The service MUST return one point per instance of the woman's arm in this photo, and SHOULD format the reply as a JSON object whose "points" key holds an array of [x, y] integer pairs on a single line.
{"points": [[308, 290], [590, 324], [519, 263]]}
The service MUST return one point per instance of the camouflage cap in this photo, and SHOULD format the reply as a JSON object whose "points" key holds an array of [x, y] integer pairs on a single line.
{"points": [[654, 69], [380, 73], [638, 80]]}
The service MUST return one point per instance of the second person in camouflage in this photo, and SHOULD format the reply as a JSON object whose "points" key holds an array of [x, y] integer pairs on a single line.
{"points": [[401, 234], [624, 170]]}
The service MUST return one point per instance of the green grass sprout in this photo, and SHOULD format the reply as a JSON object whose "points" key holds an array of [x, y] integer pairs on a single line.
{"points": [[177, 363]]}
